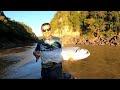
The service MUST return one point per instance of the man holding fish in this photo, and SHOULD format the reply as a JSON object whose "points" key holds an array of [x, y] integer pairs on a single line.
{"points": [[49, 49], [50, 70]]}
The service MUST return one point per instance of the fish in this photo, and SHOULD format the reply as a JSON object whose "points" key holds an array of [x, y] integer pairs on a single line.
{"points": [[65, 53]]}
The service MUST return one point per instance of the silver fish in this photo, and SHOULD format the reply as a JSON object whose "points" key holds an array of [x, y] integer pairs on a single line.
{"points": [[65, 53]]}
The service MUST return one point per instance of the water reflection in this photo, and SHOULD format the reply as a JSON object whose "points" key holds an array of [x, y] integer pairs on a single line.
{"points": [[19, 63]]}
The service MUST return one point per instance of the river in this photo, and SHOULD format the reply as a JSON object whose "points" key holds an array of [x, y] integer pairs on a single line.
{"points": [[19, 63], [103, 63]]}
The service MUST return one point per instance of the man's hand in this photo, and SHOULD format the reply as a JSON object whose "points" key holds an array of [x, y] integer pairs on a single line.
{"points": [[71, 60], [36, 54]]}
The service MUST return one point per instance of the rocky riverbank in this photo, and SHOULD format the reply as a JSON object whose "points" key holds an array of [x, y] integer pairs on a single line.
{"points": [[113, 40], [5, 44]]}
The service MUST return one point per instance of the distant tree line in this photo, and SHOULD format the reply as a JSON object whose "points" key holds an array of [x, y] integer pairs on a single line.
{"points": [[14, 31]]}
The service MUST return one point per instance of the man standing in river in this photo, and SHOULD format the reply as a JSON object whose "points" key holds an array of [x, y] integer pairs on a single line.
{"points": [[50, 70]]}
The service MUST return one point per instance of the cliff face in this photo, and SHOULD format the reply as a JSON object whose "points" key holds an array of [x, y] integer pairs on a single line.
{"points": [[14, 33], [87, 27], [62, 25]]}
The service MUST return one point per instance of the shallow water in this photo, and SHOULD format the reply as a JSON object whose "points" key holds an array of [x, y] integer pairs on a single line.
{"points": [[19, 63], [103, 63]]}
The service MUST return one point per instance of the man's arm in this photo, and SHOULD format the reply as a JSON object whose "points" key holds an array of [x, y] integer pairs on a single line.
{"points": [[36, 52], [37, 55]]}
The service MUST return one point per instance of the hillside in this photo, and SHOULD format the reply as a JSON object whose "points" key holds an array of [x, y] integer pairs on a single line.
{"points": [[14, 33], [87, 27]]}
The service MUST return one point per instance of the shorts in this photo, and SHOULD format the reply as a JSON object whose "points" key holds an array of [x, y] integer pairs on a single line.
{"points": [[53, 72]]}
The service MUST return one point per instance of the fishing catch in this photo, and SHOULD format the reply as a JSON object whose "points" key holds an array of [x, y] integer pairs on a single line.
{"points": [[64, 53]]}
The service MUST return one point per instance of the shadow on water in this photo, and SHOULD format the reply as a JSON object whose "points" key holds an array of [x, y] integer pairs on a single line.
{"points": [[7, 61]]}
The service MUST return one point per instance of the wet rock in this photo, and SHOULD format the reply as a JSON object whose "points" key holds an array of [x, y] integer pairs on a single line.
{"points": [[113, 40]]}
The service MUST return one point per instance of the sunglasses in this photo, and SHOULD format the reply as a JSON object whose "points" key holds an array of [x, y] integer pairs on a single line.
{"points": [[44, 30]]}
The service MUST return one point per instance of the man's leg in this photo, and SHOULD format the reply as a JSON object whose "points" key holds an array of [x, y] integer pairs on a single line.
{"points": [[55, 73], [44, 73]]}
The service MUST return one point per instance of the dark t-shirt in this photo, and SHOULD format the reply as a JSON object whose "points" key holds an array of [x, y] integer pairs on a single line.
{"points": [[48, 45]]}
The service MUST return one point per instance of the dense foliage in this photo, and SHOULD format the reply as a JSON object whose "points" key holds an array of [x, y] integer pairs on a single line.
{"points": [[15, 32], [86, 24]]}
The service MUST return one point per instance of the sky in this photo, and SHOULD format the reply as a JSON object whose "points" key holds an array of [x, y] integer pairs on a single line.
{"points": [[33, 19]]}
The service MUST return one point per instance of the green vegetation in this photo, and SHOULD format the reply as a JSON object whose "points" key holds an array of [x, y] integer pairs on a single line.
{"points": [[12, 31], [86, 24]]}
